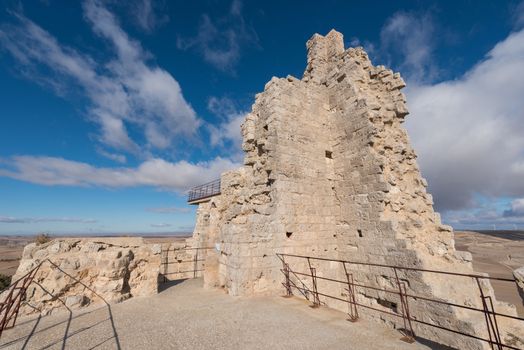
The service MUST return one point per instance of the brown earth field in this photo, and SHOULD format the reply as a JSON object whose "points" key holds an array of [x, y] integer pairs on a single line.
{"points": [[497, 253]]}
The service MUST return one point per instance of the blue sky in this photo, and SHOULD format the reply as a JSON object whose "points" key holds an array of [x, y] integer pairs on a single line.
{"points": [[111, 110]]}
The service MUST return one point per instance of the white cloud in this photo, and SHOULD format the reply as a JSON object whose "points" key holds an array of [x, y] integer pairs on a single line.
{"points": [[517, 209], [482, 219], [179, 176], [370, 48], [518, 15], [169, 210], [30, 220], [220, 41], [229, 129], [149, 14], [119, 158], [411, 37], [468, 131], [126, 91]]}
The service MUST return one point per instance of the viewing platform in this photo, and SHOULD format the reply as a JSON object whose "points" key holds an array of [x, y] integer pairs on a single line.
{"points": [[203, 193]]}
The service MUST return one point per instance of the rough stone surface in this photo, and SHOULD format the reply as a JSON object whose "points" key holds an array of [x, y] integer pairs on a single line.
{"points": [[181, 260], [88, 271], [519, 276], [329, 172]]}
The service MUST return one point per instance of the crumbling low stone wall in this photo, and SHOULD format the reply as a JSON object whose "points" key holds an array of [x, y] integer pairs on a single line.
{"points": [[182, 260], [88, 271]]}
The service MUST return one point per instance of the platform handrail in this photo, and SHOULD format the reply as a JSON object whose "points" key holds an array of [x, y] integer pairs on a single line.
{"points": [[14, 295], [203, 191]]}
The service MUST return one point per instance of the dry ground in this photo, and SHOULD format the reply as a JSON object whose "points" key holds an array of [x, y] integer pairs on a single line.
{"points": [[11, 248], [187, 316], [498, 254]]}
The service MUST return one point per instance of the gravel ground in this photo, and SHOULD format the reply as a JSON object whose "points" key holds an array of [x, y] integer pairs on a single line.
{"points": [[186, 316]]}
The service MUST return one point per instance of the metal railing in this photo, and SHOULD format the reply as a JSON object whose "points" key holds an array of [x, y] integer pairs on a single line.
{"points": [[294, 280], [14, 296], [17, 292], [182, 263], [207, 190]]}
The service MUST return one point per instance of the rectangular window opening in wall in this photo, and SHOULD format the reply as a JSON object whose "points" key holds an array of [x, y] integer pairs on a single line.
{"points": [[329, 155]]}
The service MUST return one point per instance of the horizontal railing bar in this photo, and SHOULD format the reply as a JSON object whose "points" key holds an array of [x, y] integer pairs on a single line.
{"points": [[203, 197], [174, 273], [204, 191], [411, 296], [177, 249], [400, 267], [207, 183], [411, 318], [180, 262]]}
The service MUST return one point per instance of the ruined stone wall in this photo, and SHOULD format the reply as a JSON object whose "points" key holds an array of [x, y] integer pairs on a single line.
{"points": [[329, 172], [88, 271]]}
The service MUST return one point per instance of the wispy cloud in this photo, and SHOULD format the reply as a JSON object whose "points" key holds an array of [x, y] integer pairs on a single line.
{"points": [[126, 91], [220, 42], [227, 132], [468, 131], [119, 158], [169, 210], [161, 225], [30, 220], [149, 14], [482, 218], [516, 210], [410, 37], [178, 176], [518, 15]]}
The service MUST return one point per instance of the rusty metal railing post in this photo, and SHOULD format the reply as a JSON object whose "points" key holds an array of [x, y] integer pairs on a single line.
{"points": [[15, 296], [496, 329], [165, 260], [316, 299], [406, 317], [352, 302], [402, 310], [491, 324], [289, 291], [195, 264]]}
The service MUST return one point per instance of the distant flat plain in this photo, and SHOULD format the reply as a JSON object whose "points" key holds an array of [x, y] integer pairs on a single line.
{"points": [[497, 253]]}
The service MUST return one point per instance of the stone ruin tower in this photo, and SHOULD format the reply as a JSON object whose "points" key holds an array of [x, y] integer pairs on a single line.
{"points": [[329, 172]]}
